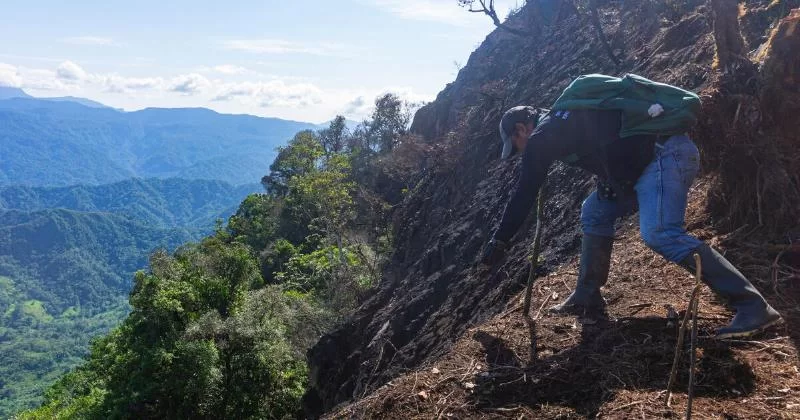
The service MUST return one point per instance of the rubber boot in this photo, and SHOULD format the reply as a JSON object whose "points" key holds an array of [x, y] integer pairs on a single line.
{"points": [[753, 313], [593, 274]]}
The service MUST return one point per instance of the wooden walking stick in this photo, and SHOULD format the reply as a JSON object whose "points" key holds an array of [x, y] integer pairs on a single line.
{"points": [[693, 341], [691, 311], [535, 254]]}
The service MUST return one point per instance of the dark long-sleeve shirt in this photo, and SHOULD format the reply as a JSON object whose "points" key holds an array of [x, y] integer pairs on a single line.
{"points": [[592, 137]]}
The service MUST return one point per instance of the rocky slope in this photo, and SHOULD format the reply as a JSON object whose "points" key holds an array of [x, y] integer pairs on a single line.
{"points": [[434, 301]]}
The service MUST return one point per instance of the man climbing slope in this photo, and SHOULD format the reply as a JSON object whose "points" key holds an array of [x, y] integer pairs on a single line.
{"points": [[631, 133]]}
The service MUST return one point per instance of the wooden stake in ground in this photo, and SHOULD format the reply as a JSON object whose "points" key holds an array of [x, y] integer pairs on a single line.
{"points": [[535, 254], [691, 311], [692, 354]]}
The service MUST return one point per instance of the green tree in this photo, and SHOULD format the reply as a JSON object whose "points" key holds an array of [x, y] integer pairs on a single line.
{"points": [[390, 120], [256, 221], [297, 158], [196, 345], [333, 138], [325, 197]]}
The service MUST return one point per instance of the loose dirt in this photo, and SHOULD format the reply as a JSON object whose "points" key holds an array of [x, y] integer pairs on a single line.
{"points": [[550, 366], [435, 309]]}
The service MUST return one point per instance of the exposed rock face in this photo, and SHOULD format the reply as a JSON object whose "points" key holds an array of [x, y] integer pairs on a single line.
{"points": [[432, 291]]}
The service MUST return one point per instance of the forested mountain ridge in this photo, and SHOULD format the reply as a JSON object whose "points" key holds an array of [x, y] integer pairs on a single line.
{"points": [[157, 202], [64, 276], [51, 244], [53, 143], [87, 193], [67, 257], [219, 327]]}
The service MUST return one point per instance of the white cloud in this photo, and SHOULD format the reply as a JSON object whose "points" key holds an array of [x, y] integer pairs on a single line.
{"points": [[26, 78], [70, 72], [42, 79], [119, 84], [89, 40], [9, 76], [69, 76], [189, 84], [409, 95], [284, 96], [280, 46], [275, 93], [358, 106]]}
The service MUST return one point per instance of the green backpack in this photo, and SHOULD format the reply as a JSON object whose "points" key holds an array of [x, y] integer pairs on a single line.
{"points": [[647, 107]]}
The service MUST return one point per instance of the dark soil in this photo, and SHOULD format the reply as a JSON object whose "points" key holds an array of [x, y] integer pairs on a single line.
{"points": [[563, 367], [436, 308]]}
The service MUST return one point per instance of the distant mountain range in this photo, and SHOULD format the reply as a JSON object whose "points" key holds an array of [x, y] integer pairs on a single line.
{"points": [[11, 93], [7, 92], [67, 258], [80, 245], [62, 141], [164, 203], [87, 192]]}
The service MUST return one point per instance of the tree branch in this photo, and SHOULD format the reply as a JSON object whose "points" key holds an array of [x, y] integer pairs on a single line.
{"points": [[492, 13], [599, 26]]}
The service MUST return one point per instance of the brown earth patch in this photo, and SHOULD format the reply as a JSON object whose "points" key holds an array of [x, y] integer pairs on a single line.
{"points": [[435, 308], [561, 367]]}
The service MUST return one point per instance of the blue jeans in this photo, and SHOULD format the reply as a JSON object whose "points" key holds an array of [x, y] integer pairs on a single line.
{"points": [[662, 192]]}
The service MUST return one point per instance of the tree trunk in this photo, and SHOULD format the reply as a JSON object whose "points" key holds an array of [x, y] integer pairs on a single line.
{"points": [[727, 36], [600, 34]]}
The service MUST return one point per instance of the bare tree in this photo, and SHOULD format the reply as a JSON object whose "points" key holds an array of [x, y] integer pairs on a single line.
{"points": [[487, 8]]}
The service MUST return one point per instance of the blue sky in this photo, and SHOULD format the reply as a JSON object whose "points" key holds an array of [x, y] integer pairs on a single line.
{"points": [[302, 60]]}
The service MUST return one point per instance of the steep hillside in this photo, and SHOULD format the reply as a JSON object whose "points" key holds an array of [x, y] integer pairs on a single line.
{"points": [[60, 143], [509, 366], [433, 306]]}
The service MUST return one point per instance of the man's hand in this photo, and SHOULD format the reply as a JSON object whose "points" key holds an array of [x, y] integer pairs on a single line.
{"points": [[493, 252]]}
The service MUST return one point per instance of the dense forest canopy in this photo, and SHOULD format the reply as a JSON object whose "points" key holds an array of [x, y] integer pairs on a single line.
{"points": [[220, 327], [67, 259]]}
